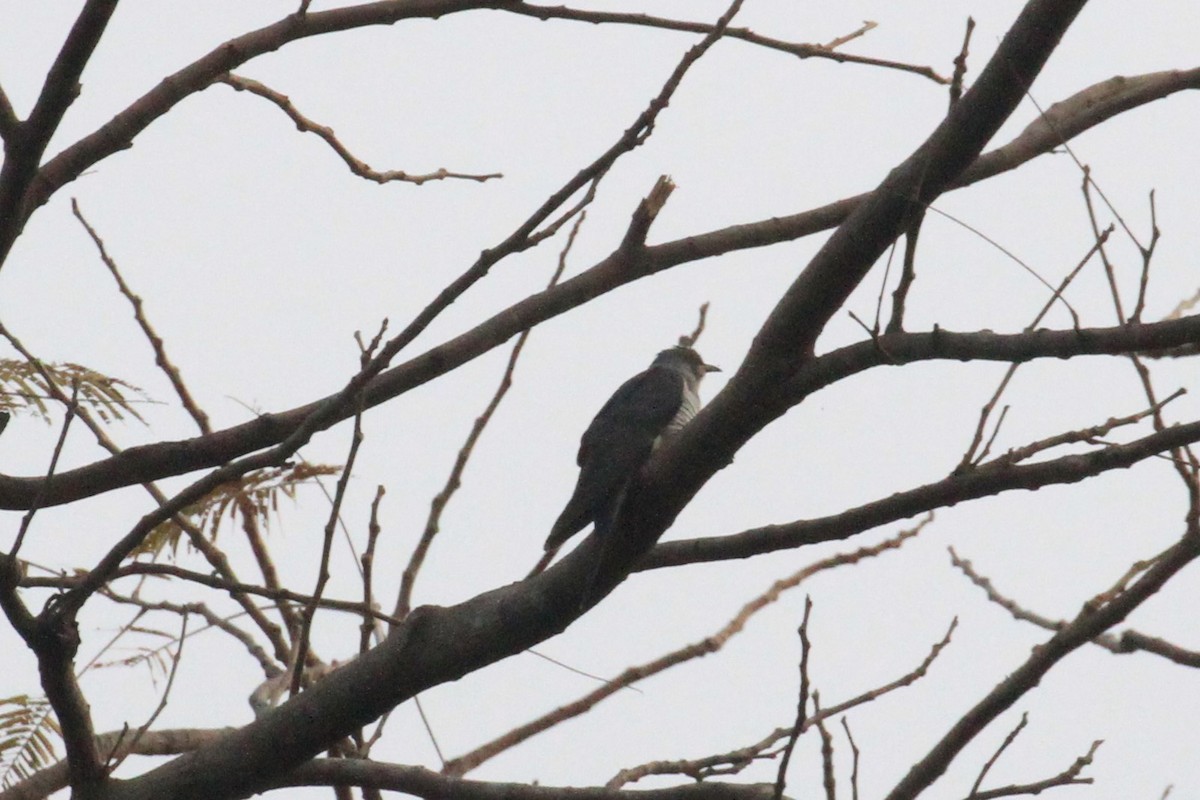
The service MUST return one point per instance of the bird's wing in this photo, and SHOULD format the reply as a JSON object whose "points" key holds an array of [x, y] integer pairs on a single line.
{"points": [[616, 444], [640, 409]]}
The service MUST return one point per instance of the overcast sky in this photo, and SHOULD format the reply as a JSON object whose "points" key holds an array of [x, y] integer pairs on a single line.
{"points": [[259, 255]]}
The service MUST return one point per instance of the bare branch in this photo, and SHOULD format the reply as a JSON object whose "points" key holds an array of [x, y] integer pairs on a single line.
{"points": [[269, 666], [454, 480], [691, 339], [368, 570], [960, 63], [901, 505], [1082, 111], [854, 752], [969, 457], [1090, 435], [1008, 740], [204, 579], [645, 214], [710, 644], [1129, 641], [357, 166], [156, 342], [801, 704], [427, 784], [1090, 623], [825, 51], [827, 775], [1068, 777], [27, 519], [735, 761], [310, 610], [162, 703], [27, 142]]}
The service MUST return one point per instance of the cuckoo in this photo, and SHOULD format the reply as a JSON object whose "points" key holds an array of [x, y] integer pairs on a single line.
{"points": [[648, 407]]}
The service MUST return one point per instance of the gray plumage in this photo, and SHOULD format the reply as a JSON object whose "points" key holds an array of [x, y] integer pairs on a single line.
{"points": [[624, 433]]}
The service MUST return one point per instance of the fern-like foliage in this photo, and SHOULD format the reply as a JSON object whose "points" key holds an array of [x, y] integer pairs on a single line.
{"points": [[23, 388], [257, 493], [28, 732]]}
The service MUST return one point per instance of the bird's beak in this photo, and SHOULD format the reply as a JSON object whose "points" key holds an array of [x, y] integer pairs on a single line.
{"points": [[710, 368]]}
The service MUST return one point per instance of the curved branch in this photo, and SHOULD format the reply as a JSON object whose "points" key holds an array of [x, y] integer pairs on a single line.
{"points": [[435, 645], [982, 482], [150, 462], [1092, 621], [119, 132]]}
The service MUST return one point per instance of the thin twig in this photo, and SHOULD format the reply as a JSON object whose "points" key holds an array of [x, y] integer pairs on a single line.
{"points": [[960, 63], [854, 752], [111, 766], [1090, 435], [1129, 641], [454, 479], [156, 342], [326, 549], [827, 775], [166, 509], [691, 339], [991, 762], [1089, 624], [234, 588], [356, 165], [745, 34], [270, 666], [735, 761], [908, 274], [429, 731], [1068, 777], [969, 457], [368, 563], [9, 122], [1147, 255], [27, 519], [801, 703], [710, 644]]}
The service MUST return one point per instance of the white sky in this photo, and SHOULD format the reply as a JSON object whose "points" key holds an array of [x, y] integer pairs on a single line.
{"points": [[258, 255]]}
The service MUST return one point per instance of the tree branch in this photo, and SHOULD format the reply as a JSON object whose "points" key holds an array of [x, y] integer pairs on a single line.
{"points": [[1071, 117], [1093, 620], [425, 783], [798, 49], [1083, 110], [118, 133], [949, 491], [26, 142]]}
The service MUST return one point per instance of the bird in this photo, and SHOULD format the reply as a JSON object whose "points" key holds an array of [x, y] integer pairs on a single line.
{"points": [[646, 409]]}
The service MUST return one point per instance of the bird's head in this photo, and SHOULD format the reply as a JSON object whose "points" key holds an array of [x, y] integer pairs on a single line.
{"points": [[685, 360]]}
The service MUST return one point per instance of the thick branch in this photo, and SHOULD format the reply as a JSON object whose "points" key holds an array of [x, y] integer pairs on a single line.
{"points": [[149, 462], [118, 133], [154, 743], [950, 491], [427, 784], [938, 345], [1091, 622], [25, 144], [432, 645], [140, 464]]}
